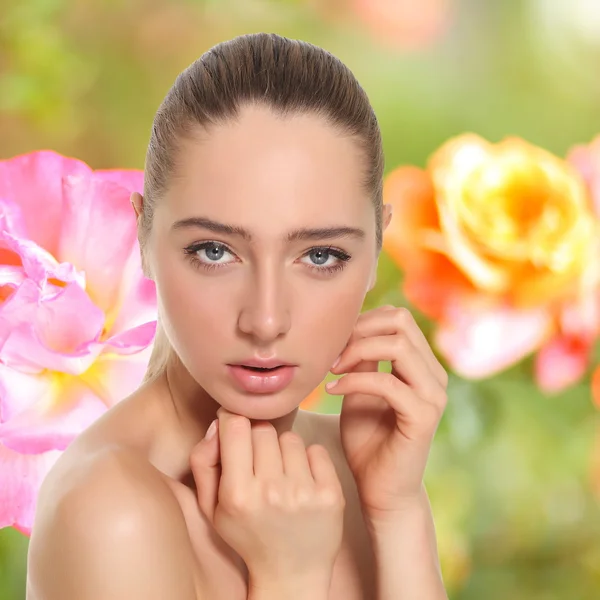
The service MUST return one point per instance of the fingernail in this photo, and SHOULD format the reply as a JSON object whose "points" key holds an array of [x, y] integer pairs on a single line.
{"points": [[210, 432], [331, 384], [337, 362]]}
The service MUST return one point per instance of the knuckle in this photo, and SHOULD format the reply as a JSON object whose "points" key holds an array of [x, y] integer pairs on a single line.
{"points": [[440, 399], [403, 317], [401, 343], [236, 502], [445, 378], [196, 459], [302, 496], [431, 413], [389, 382], [357, 334], [273, 494]]}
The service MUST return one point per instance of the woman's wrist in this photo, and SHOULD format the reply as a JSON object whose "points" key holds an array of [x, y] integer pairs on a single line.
{"points": [[306, 586], [405, 549]]}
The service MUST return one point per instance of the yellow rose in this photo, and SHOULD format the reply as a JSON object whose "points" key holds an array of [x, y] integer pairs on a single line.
{"points": [[514, 218], [500, 247]]}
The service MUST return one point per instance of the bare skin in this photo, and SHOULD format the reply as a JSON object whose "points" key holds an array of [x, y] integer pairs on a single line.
{"points": [[118, 516], [137, 450]]}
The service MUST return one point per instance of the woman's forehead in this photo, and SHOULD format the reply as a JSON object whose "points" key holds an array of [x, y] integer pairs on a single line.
{"points": [[261, 162], [264, 143]]}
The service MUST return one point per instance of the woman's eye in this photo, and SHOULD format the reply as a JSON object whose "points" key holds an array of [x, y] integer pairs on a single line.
{"points": [[326, 259], [319, 256], [212, 252], [212, 255]]}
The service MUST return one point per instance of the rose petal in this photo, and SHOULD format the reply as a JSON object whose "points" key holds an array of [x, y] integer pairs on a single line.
{"points": [[436, 285], [37, 264], [132, 340], [18, 392], [98, 234], [136, 303], [581, 318], [21, 476], [479, 339], [53, 332], [66, 408], [415, 220], [34, 182], [560, 363], [11, 218], [113, 377], [11, 275]]}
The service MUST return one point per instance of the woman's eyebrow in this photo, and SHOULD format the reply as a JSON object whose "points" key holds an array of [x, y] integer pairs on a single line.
{"points": [[305, 233]]}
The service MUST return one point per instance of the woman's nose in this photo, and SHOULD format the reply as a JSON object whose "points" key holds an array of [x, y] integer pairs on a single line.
{"points": [[265, 313]]}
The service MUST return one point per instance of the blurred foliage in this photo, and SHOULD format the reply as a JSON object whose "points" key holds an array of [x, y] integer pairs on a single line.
{"points": [[510, 471]]}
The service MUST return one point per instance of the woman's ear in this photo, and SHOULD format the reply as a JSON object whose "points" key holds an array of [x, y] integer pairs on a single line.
{"points": [[137, 201], [373, 281], [387, 215], [386, 218]]}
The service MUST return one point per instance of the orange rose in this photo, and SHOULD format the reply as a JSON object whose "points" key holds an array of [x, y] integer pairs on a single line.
{"points": [[500, 246]]}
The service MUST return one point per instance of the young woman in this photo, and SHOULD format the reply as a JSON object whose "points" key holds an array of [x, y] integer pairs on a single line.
{"points": [[261, 224]]}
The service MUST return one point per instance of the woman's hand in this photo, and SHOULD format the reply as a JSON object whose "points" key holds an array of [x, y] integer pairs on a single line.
{"points": [[278, 504], [388, 420]]}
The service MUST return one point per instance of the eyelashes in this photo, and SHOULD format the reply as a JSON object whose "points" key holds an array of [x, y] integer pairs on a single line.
{"points": [[219, 249]]}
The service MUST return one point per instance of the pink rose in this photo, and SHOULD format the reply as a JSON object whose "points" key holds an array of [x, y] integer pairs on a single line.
{"points": [[77, 315]]}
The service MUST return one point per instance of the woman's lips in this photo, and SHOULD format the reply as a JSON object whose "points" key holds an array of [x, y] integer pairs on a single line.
{"points": [[262, 382]]}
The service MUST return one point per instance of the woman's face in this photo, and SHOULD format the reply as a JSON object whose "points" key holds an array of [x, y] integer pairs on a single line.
{"points": [[264, 247]]}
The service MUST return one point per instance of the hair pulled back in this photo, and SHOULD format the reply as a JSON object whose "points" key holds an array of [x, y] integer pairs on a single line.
{"points": [[289, 77]]}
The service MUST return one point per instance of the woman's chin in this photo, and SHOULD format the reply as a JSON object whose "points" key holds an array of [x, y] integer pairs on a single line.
{"points": [[264, 407]]}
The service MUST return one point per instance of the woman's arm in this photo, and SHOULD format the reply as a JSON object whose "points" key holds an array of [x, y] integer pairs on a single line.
{"points": [[117, 534], [406, 555]]}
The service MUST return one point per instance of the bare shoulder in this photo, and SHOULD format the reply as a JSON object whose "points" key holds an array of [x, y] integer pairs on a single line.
{"points": [[109, 527]]}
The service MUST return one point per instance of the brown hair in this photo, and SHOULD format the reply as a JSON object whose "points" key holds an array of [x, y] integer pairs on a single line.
{"points": [[287, 76]]}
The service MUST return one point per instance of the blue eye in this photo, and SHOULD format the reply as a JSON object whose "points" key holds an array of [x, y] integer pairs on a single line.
{"points": [[319, 256], [213, 251], [320, 259], [208, 255]]}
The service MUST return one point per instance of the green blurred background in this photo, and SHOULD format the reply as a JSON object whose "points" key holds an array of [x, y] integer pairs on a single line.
{"points": [[511, 474]]}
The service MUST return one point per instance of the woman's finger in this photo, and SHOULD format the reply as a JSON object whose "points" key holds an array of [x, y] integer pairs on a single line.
{"points": [[265, 451], [399, 396], [293, 453], [407, 362], [235, 440], [322, 468], [205, 462], [392, 320]]}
